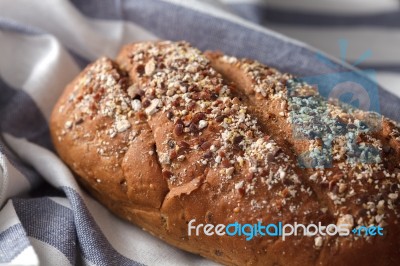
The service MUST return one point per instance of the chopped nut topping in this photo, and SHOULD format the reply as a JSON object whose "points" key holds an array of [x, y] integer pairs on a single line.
{"points": [[152, 108], [239, 185], [122, 125], [181, 158], [150, 68], [203, 124], [318, 241], [68, 124], [346, 221], [136, 105], [393, 196], [342, 187]]}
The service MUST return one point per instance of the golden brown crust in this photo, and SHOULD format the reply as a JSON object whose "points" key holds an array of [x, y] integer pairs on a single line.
{"points": [[167, 134]]}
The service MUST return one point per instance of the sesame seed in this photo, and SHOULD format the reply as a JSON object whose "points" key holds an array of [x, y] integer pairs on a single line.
{"points": [[68, 124], [181, 158], [229, 171], [318, 241], [150, 67], [152, 108], [342, 187], [122, 125], [203, 124], [239, 185], [393, 196], [136, 105], [346, 221]]}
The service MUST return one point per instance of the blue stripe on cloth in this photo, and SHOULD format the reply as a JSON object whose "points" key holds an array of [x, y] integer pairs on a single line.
{"points": [[93, 244], [21, 117], [262, 14], [11, 25], [53, 224], [104, 9], [175, 22], [380, 67], [27, 171], [12, 242]]}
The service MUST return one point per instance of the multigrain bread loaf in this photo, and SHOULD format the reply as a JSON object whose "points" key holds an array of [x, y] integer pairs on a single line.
{"points": [[166, 134]]}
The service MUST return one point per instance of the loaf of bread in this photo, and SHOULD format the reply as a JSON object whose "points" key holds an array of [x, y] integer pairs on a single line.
{"points": [[166, 134]]}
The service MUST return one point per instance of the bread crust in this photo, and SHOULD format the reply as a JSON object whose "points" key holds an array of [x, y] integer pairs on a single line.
{"points": [[167, 134]]}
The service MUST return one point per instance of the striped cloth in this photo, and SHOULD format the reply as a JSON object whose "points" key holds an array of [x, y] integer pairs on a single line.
{"points": [[361, 32], [45, 217]]}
